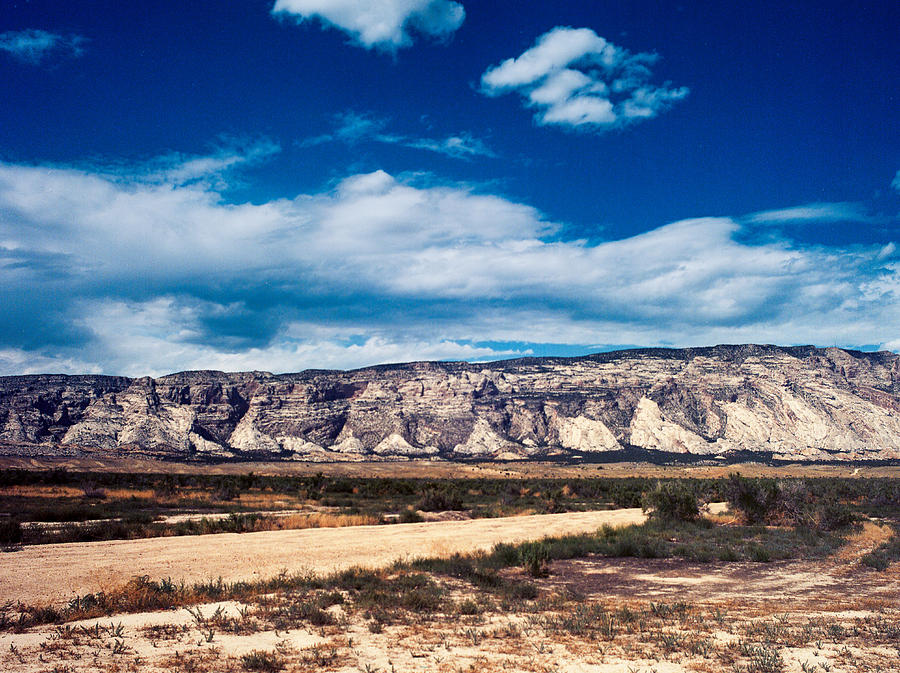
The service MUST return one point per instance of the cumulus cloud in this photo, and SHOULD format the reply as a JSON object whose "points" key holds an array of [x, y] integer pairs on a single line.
{"points": [[353, 127], [102, 271], [896, 183], [383, 24], [36, 46], [576, 78]]}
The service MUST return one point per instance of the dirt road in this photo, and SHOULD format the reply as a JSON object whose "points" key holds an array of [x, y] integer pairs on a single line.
{"points": [[57, 572]]}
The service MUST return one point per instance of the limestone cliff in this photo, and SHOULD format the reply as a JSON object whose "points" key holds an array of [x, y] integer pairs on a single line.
{"points": [[798, 403]]}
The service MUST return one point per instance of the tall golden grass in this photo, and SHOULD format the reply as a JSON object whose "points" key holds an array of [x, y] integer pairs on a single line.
{"points": [[316, 520]]}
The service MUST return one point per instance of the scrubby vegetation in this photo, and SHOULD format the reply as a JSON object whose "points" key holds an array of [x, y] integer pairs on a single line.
{"points": [[133, 505]]}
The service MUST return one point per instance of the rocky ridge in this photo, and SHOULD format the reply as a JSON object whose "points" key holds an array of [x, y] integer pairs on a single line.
{"points": [[796, 403]]}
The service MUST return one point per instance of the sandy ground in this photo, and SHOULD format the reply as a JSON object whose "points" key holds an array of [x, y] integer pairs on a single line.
{"points": [[58, 572], [791, 617]]}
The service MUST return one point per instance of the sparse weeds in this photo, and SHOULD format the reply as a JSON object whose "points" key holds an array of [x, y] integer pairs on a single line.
{"points": [[760, 659], [409, 589], [560, 622], [263, 661]]}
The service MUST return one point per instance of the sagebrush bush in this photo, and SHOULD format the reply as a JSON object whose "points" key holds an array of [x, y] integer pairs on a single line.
{"points": [[787, 503], [671, 501], [755, 499]]}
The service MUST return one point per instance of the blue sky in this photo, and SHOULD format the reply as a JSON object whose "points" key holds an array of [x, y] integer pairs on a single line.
{"points": [[288, 184]]}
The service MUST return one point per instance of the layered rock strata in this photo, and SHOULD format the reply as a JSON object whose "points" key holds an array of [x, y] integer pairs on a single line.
{"points": [[797, 403]]}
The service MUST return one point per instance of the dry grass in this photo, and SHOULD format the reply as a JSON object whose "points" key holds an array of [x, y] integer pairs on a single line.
{"points": [[316, 520], [871, 536]]}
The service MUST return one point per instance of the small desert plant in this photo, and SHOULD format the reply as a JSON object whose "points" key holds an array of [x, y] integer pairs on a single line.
{"points": [[534, 557], [260, 660], [762, 659], [468, 607]]}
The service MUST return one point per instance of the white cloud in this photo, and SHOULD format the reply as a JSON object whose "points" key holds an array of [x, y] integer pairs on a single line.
{"points": [[353, 127], [17, 361], [896, 183], [812, 212], [462, 146], [179, 169], [35, 46], [385, 24], [576, 78], [159, 276]]}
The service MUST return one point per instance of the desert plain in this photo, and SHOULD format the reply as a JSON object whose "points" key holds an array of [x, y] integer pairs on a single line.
{"points": [[454, 593]]}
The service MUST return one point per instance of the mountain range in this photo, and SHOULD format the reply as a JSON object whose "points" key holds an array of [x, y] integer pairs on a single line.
{"points": [[798, 403]]}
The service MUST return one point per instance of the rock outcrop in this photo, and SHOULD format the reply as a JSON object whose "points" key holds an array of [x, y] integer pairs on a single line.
{"points": [[797, 403]]}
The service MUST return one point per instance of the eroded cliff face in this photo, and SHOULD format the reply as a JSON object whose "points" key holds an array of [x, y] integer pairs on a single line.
{"points": [[797, 403]]}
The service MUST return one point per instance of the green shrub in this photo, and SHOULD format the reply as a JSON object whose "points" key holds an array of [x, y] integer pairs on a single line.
{"points": [[883, 556], [439, 500], [836, 515], [227, 490], [10, 531], [787, 502], [534, 557], [409, 515], [671, 501], [504, 555]]}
